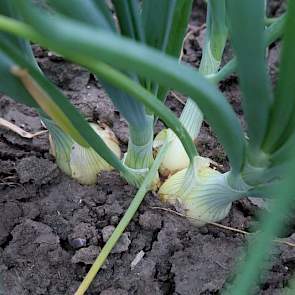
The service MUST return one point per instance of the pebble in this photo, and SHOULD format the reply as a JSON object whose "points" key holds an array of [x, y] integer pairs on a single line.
{"points": [[77, 243], [107, 232], [123, 243], [86, 255]]}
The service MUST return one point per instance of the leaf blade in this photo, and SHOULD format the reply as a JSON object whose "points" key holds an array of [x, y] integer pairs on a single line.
{"points": [[147, 62], [128, 17], [248, 39], [10, 85], [282, 123], [81, 130], [176, 36], [86, 11], [249, 272]]}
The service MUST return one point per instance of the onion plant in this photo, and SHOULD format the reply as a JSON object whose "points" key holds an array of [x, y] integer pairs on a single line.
{"points": [[133, 48]]}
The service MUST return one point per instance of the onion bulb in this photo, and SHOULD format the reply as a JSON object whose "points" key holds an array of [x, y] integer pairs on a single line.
{"points": [[82, 164], [203, 193], [176, 158]]}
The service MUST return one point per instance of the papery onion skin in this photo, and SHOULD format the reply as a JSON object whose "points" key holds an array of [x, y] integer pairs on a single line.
{"points": [[176, 158], [203, 193], [80, 163]]}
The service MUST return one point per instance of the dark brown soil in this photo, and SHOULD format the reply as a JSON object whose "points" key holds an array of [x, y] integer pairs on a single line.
{"points": [[51, 228]]}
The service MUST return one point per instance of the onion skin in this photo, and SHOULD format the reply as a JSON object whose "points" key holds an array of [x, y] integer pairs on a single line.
{"points": [[84, 164], [203, 193], [176, 158]]}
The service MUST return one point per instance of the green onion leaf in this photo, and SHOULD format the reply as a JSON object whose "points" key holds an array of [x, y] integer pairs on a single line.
{"points": [[282, 122], [176, 34], [68, 118], [11, 85], [246, 19], [86, 11], [130, 23], [273, 222], [62, 35]]}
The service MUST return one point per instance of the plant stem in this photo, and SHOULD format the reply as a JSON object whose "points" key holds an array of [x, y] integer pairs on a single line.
{"points": [[216, 36], [123, 223], [223, 73], [140, 145], [250, 270], [191, 118], [273, 32]]}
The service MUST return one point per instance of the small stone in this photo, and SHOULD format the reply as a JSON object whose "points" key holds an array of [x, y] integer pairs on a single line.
{"points": [[107, 232], [77, 243], [81, 234], [203, 230], [86, 255], [114, 220], [123, 243]]}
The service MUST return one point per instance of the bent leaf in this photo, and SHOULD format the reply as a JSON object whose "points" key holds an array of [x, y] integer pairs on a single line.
{"points": [[125, 54], [77, 125]]}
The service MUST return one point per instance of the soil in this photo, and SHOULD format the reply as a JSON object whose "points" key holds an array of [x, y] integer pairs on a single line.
{"points": [[52, 228]]}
